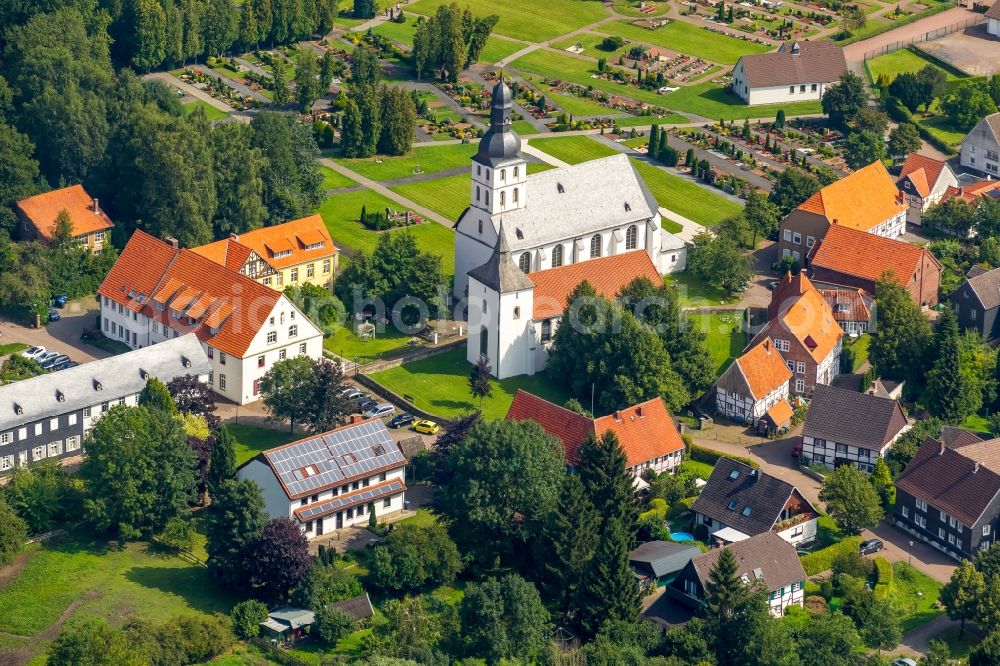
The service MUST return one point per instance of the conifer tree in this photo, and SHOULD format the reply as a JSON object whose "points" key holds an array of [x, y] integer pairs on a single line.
{"points": [[881, 478], [279, 82], [607, 483], [222, 464], [654, 141], [350, 132], [609, 590], [948, 394]]}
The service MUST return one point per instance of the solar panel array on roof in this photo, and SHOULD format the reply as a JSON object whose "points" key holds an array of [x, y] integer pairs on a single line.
{"points": [[329, 458], [371, 494]]}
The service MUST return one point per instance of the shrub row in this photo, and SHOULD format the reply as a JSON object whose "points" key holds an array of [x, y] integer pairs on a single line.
{"points": [[901, 114], [881, 592], [711, 456], [883, 571], [822, 559]]}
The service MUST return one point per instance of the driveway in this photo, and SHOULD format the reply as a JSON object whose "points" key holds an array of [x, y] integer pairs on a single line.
{"points": [[875, 46], [62, 336]]}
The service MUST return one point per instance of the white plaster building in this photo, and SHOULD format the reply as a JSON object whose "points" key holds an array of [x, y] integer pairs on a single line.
{"points": [[980, 149], [525, 242], [796, 72], [333, 480], [156, 292], [993, 20]]}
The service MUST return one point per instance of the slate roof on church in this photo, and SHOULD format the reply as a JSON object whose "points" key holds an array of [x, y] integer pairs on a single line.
{"points": [[577, 201], [500, 273]]}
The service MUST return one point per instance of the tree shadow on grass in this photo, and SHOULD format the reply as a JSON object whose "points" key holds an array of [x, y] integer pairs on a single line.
{"points": [[191, 584]]}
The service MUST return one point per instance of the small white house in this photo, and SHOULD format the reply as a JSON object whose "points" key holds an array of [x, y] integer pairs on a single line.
{"points": [[993, 20], [796, 72], [332, 480]]}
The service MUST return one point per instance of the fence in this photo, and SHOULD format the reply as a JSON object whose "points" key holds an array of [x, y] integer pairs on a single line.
{"points": [[926, 37]]}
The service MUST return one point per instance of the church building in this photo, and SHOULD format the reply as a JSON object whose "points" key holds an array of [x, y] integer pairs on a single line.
{"points": [[525, 242]]}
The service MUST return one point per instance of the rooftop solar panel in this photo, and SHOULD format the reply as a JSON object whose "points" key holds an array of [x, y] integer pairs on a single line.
{"points": [[333, 504]]}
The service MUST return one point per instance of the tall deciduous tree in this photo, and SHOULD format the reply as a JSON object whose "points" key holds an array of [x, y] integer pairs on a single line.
{"points": [[842, 101], [13, 532], [794, 186], [293, 183], [828, 640], [275, 560], [287, 389], [904, 139], [862, 148], [192, 396], [222, 464], [279, 83], [366, 71], [235, 517], [901, 339], [968, 104], [960, 595], [155, 395], [851, 500], [220, 26], [504, 619], [720, 262], [239, 186], [307, 86], [761, 214]]}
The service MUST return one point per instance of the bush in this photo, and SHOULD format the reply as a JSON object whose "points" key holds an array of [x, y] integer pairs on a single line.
{"points": [[177, 535], [711, 456], [822, 559], [678, 508], [826, 589], [883, 571], [247, 616], [414, 557], [332, 624], [852, 563], [881, 592]]}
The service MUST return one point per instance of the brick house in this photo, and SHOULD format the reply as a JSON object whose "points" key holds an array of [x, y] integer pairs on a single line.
{"points": [[37, 217]]}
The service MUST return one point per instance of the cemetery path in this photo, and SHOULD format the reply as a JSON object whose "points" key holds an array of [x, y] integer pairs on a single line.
{"points": [[188, 89]]}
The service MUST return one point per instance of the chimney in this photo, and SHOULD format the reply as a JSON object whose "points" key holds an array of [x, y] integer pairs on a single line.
{"points": [[795, 48], [97, 206], [617, 415], [753, 476], [975, 468], [356, 418], [234, 237], [835, 221], [174, 243], [767, 344], [638, 410], [941, 451]]}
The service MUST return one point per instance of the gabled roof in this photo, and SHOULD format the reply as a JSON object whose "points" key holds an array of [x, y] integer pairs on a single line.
{"points": [[864, 199], [956, 438], [808, 318], [645, 431], [499, 272], [854, 418], [607, 275], [765, 557], [801, 62], [991, 121], [43, 209], [314, 464], [227, 308], [867, 256], [973, 192], [789, 288], [960, 481], [986, 287], [780, 413], [762, 369], [923, 172], [849, 304], [307, 239], [663, 557], [994, 11], [360, 608], [733, 484], [104, 380]]}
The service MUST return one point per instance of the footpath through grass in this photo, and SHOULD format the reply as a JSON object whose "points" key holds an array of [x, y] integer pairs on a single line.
{"points": [[530, 20], [334, 179], [440, 385], [573, 149], [686, 198], [447, 196]]}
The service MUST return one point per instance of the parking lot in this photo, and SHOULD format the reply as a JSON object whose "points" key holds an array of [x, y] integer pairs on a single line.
{"points": [[972, 50], [62, 336]]}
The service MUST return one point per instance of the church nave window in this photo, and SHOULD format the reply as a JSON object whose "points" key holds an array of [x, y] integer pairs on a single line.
{"points": [[477, 193], [503, 174], [503, 198], [595, 246], [487, 195], [524, 262], [631, 237], [515, 195], [516, 171], [557, 256], [480, 226]]}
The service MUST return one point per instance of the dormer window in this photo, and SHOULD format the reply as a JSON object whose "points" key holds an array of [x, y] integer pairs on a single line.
{"points": [[18, 409], [60, 396], [734, 474], [282, 253], [98, 386], [316, 246], [746, 511]]}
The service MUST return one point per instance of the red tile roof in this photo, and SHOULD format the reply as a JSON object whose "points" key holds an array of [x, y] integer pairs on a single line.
{"points": [[42, 210], [645, 431], [809, 318], [865, 199], [848, 304], [867, 256], [923, 171], [763, 368], [149, 270], [606, 275], [972, 192], [295, 237], [780, 413]]}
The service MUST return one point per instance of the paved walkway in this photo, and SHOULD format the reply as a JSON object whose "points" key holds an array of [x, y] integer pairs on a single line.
{"points": [[62, 336], [188, 89], [235, 85], [386, 192], [542, 155]]}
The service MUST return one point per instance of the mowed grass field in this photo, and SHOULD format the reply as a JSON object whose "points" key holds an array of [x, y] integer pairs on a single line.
{"points": [[447, 196], [724, 336], [401, 33], [334, 179], [573, 149], [690, 39], [440, 385], [685, 198], [904, 60], [497, 49], [251, 439], [430, 159], [211, 112], [342, 211], [530, 20], [577, 106]]}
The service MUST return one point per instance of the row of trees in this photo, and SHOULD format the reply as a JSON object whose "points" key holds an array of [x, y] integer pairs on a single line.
{"points": [[449, 41], [375, 118]]}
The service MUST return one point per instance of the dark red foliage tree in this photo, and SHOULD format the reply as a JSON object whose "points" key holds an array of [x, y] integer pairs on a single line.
{"points": [[275, 560], [194, 397]]}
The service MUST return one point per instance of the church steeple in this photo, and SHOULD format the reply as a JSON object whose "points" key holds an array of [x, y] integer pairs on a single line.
{"points": [[499, 172], [500, 143]]}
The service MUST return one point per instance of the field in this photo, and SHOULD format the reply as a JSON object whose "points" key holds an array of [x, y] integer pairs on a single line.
{"points": [[523, 127], [591, 43], [709, 100], [432, 159], [77, 578], [942, 129], [577, 106], [724, 336], [688, 38], [573, 149], [252, 439], [345, 343], [341, 212], [529, 20], [211, 112], [401, 33], [334, 179], [440, 385], [684, 197], [904, 60], [497, 49], [447, 196], [694, 293]]}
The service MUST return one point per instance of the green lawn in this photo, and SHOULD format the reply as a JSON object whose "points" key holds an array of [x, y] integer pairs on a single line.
{"points": [[592, 46], [671, 226], [529, 20], [538, 167], [430, 159], [341, 213], [724, 336], [573, 149], [440, 385], [710, 100], [904, 60], [497, 49], [688, 38], [629, 8], [977, 422], [941, 127], [334, 179], [684, 197], [575, 105], [398, 32], [523, 127], [698, 469], [101, 583], [252, 439], [423, 518], [917, 598], [447, 196], [694, 293], [12, 348], [642, 121], [211, 112], [344, 342]]}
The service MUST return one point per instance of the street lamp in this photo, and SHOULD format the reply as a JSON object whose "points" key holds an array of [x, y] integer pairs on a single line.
{"points": [[910, 557]]}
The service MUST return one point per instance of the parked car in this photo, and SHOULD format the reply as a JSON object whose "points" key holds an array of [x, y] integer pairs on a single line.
{"points": [[71, 364], [347, 390], [871, 546], [55, 360], [797, 448], [427, 427], [46, 356], [61, 365], [401, 420], [903, 661], [33, 352], [380, 411], [360, 397], [60, 300], [366, 405], [54, 315]]}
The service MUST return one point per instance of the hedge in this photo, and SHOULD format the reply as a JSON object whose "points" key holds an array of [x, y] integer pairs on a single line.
{"points": [[901, 114], [711, 456], [883, 571], [822, 559], [881, 592], [679, 507]]}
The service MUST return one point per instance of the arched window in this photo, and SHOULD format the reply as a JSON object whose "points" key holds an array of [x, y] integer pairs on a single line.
{"points": [[631, 237], [503, 174], [557, 256], [595, 246], [524, 262], [517, 312], [516, 171], [484, 341], [477, 193], [515, 195], [503, 198], [487, 195]]}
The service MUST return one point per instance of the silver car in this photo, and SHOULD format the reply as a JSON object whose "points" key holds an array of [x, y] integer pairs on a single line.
{"points": [[380, 411]]}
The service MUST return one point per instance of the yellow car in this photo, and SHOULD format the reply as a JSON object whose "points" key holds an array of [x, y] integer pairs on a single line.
{"points": [[427, 427]]}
